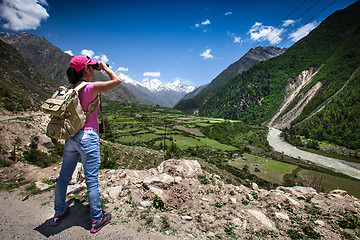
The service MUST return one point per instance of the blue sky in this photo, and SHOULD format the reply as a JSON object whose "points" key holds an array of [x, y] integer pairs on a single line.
{"points": [[190, 40]]}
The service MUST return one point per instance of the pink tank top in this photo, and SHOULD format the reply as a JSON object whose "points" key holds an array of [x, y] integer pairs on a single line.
{"points": [[86, 97]]}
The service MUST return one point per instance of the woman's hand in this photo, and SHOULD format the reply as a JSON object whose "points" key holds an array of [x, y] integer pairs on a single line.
{"points": [[102, 65]]}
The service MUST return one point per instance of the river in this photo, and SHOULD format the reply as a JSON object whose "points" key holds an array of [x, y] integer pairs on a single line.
{"points": [[337, 165]]}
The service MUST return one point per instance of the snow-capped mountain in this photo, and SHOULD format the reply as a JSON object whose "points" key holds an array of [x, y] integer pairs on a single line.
{"points": [[153, 91], [180, 87], [154, 85]]}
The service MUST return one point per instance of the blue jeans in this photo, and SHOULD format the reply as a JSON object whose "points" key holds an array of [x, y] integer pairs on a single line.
{"points": [[85, 144]]}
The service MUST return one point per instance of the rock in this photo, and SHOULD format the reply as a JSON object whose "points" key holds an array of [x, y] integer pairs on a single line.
{"points": [[163, 180], [293, 202], [263, 220], [249, 197], [182, 168], [156, 192], [282, 216], [46, 141], [255, 186], [298, 191], [319, 222], [187, 218], [178, 180], [114, 192], [232, 200], [74, 188], [351, 209], [76, 174], [237, 222], [339, 192], [42, 186], [145, 203]]}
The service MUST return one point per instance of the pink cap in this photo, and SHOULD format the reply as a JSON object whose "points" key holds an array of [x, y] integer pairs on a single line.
{"points": [[79, 62]]}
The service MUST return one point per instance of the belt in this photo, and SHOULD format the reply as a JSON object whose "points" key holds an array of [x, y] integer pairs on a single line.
{"points": [[90, 130]]}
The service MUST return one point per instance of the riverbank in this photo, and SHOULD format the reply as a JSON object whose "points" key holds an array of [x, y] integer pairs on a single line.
{"points": [[336, 165]]}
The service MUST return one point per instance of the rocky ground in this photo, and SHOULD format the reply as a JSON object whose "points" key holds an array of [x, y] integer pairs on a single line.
{"points": [[176, 200]]}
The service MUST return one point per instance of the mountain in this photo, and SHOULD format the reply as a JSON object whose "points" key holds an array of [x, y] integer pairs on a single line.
{"points": [[154, 92], [54, 62], [23, 84], [313, 88], [193, 101]]}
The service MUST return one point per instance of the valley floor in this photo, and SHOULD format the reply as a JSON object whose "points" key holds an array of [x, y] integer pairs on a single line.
{"points": [[337, 165]]}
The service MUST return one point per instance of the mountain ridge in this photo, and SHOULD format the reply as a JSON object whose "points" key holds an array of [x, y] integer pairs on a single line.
{"points": [[251, 58], [55, 62]]}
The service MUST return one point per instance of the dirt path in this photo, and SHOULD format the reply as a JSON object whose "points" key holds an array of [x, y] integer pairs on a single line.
{"points": [[2, 118], [337, 165], [31, 219]]}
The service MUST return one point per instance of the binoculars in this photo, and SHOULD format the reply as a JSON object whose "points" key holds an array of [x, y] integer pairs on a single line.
{"points": [[97, 67]]}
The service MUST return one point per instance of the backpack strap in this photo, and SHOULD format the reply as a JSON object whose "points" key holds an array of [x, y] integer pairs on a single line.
{"points": [[81, 86], [94, 104]]}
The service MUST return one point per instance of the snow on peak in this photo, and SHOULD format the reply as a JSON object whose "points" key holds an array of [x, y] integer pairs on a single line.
{"points": [[178, 86], [154, 85]]}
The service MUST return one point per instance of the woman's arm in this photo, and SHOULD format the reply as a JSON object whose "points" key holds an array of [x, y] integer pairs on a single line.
{"points": [[100, 86]]}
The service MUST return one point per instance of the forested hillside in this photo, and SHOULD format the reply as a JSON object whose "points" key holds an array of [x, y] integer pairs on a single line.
{"points": [[333, 49], [23, 85], [196, 99]]}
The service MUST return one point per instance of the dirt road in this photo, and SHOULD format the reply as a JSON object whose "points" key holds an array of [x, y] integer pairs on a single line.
{"points": [[279, 145], [31, 219]]}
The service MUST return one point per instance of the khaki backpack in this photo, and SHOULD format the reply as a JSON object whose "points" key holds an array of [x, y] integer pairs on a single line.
{"points": [[67, 115]]}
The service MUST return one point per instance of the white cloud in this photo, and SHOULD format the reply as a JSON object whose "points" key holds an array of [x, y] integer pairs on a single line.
{"points": [[104, 58], [303, 31], [228, 13], [204, 23], [88, 53], [259, 32], [22, 14], [206, 54], [69, 52], [237, 39], [288, 23], [151, 74], [122, 69]]}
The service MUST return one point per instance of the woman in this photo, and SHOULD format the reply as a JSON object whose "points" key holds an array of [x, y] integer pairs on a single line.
{"points": [[85, 143]]}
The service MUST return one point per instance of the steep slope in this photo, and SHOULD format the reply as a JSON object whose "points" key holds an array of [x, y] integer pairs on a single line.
{"points": [[252, 57], [331, 50], [54, 62], [23, 85]]}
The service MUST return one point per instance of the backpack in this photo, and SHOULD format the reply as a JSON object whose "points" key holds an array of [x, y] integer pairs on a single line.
{"points": [[67, 115]]}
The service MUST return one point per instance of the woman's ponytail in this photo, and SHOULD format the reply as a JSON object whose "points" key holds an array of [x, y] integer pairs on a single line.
{"points": [[74, 76]]}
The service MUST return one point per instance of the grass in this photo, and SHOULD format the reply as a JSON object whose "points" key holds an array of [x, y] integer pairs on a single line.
{"points": [[270, 170], [326, 182], [216, 144]]}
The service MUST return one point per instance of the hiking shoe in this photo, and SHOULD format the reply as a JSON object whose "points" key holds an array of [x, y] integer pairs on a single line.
{"points": [[59, 217], [96, 226]]}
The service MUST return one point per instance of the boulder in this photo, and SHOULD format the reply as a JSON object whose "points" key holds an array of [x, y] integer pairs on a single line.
{"points": [[46, 141], [263, 219], [181, 168], [114, 192], [76, 174], [163, 181], [74, 188]]}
